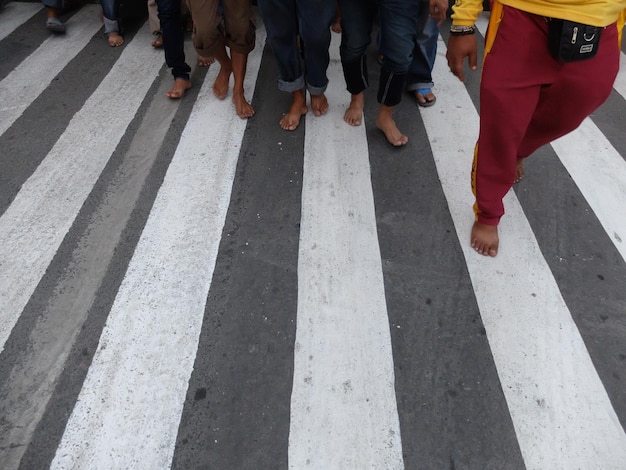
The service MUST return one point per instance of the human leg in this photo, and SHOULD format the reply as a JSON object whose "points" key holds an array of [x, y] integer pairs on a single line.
{"points": [[357, 18], [173, 45], [53, 10], [111, 22], [240, 38], [314, 20], [398, 26], [419, 78], [279, 17]]}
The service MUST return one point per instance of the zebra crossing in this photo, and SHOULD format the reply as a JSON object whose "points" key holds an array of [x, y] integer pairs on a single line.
{"points": [[184, 289]]}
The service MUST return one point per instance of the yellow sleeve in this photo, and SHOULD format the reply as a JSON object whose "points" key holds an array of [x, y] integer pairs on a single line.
{"points": [[465, 12]]}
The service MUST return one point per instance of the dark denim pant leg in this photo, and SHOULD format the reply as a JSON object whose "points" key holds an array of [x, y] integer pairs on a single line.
{"points": [[109, 11], [314, 19], [424, 53], [281, 25], [173, 37], [357, 17], [398, 27]]}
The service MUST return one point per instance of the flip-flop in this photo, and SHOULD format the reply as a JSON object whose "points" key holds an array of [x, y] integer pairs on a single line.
{"points": [[55, 25], [424, 92]]}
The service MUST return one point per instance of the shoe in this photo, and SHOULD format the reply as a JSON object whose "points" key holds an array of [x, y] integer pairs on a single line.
{"points": [[423, 98], [55, 25]]}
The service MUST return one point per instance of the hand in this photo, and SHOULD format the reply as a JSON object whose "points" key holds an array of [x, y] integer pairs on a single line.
{"points": [[460, 47], [438, 9]]}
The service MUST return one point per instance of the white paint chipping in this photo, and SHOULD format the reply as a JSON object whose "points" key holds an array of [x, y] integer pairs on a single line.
{"points": [[343, 406], [14, 14], [129, 409], [33, 226], [29, 79], [562, 415]]}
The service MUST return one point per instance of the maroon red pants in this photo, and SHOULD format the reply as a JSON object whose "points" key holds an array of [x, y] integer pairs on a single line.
{"points": [[528, 99]]}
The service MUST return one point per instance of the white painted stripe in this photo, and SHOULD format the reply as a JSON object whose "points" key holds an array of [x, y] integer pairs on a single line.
{"points": [[14, 15], [560, 410], [33, 226], [343, 405], [598, 170], [29, 79], [620, 81], [129, 409]]}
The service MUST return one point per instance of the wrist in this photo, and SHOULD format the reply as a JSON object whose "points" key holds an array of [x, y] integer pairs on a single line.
{"points": [[462, 30]]}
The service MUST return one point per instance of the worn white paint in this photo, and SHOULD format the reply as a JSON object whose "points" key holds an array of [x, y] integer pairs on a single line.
{"points": [[14, 14], [129, 409], [343, 406], [29, 79], [33, 226], [560, 410]]}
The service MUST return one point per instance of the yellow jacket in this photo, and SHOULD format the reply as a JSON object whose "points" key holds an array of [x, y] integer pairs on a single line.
{"points": [[591, 12]]}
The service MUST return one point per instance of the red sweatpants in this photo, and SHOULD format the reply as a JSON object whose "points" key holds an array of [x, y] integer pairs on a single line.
{"points": [[528, 99]]}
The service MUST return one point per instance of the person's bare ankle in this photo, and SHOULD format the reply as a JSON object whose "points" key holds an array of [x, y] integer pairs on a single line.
{"points": [[354, 113], [385, 123], [484, 239], [180, 86], [243, 108], [291, 120]]}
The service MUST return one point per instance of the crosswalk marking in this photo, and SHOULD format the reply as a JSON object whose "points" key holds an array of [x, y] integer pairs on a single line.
{"points": [[535, 343], [36, 222], [343, 411], [14, 14], [343, 405], [20, 88], [147, 348]]}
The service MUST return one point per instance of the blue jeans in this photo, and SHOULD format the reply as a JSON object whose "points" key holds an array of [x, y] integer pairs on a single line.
{"points": [[285, 20], [53, 3], [173, 37], [357, 17], [399, 27], [424, 53], [109, 10]]}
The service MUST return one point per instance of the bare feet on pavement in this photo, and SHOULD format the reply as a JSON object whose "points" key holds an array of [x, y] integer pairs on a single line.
{"points": [[385, 123], [220, 86], [291, 120], [243, 108], [205, 61], [319, 104], [179, 88], [354, 113], [485, 239], [519, 171], [115, 39], [158, 41]]}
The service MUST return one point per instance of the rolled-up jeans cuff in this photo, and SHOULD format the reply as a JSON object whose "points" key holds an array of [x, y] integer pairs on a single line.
{"points": [[297, 84], [111, 26], [419, 86], [316, 90]]}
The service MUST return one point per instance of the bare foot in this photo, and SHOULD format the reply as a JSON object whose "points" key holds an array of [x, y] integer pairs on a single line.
{"points": [[220, 86], [336, 26], [158, 42], [354, 113], [519, 171], [385, 123], [115, 39], [205, 61], [485, 239], [291, 120], [319, 104], [179, 88], [243, 108]]}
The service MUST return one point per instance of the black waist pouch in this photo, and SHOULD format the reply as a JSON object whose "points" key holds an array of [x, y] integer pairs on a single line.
{"points": [[569, 41]]}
